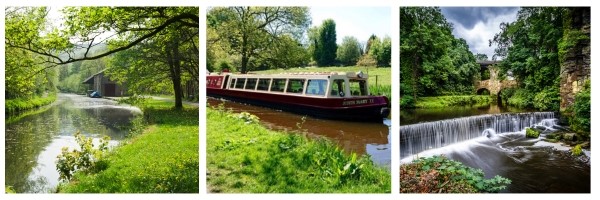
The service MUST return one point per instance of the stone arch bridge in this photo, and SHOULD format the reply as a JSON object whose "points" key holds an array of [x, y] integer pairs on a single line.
{"points": [[493, 84]]}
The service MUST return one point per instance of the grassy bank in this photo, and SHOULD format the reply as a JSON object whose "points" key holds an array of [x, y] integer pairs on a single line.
{"points": [[162, 158], [445, 101], [22, 104], [245, 157]]}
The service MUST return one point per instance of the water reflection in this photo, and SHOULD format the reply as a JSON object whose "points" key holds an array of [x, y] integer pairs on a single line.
{"points": [[33, 142], [361, 138]]}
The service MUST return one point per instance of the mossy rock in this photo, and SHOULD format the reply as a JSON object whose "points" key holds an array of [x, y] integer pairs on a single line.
{"points": [[576, 151], [531, 133]]}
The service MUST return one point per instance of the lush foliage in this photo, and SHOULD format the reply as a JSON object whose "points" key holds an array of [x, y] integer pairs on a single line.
{"points": [[164, 158], [26, 74], [349, 51], [85, 159], [247, 157], [581, 119], [433, 61], [257, 37], [445, 101], [323, 42], [439, 174], [380, 50], [533, 48], [21, 104]]}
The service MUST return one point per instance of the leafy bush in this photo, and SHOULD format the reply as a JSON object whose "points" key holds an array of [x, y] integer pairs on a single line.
{"points": [[407, 101], [547, 99], [85, 159], [580, 121], [521, 98], [439, 174], [367, 61], [531, 133]]}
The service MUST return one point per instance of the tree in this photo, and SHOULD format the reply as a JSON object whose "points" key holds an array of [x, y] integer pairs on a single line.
{"points": [[369, 43], [87, 27], [381, 50], [323, 39], [25, 73], [529, 48], [481, 57], [349, 52], [251, 32]]}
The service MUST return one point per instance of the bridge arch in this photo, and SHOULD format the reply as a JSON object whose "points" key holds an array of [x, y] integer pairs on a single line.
{"points": [[483, 91]]}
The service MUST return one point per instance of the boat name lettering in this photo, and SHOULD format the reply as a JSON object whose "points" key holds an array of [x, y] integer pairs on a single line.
{"points": [[357, 102]]}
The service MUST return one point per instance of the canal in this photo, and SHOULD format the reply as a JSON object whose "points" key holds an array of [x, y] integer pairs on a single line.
{"points": [[493, 139], [34, 141], [359, 137]]}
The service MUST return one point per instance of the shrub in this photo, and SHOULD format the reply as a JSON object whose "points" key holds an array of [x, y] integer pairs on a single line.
{"points": [[439, 174], [86, 159], [366, 60], [580, 121], [547, 99], [520, 98], [407, 101]]}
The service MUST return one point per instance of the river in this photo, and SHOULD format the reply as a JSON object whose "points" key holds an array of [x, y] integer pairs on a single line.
{"points": [[34, 141], [359, 137], [493, 139]]}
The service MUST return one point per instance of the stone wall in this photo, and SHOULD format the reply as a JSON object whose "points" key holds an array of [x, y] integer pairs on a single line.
{"points": [[575, 69]]}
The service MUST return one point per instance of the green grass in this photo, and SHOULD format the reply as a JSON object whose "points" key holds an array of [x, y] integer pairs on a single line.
{"points": [[245, 157], [163, 158], [445, 101], [22, 104]]}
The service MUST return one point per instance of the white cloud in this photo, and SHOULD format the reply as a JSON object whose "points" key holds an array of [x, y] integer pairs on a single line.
{"points": [[478, 37]]}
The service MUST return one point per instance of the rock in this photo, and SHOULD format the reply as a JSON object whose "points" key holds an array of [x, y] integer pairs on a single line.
{"points": [[569, 137], [540, 128], [585, 145], [531, 133]]}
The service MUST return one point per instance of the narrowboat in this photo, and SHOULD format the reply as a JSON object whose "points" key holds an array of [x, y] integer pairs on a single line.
{"points": [[331, 95]]}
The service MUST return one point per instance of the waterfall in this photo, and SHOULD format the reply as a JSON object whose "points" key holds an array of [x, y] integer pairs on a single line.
{"points": [[416, 138]]}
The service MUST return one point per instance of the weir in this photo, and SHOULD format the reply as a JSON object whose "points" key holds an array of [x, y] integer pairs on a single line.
{"points": [[416, 138]]}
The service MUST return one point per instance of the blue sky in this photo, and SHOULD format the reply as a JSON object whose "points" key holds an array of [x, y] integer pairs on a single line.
{"points": [[360, 22]]}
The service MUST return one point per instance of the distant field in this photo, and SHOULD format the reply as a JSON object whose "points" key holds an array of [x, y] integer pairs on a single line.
{"points": [[383, 74]]}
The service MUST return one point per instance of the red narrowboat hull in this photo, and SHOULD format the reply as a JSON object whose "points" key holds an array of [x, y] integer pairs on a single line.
{"points": [[371, 108]]}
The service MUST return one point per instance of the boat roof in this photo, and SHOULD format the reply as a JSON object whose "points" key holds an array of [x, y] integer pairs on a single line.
{"points": [[298, 75]]}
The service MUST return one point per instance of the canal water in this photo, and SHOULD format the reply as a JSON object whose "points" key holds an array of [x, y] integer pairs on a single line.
{"points": [[361, 138], [33, 142], [495, 142]]}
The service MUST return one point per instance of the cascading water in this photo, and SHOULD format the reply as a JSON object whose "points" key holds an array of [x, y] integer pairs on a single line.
{"points": [[416, 138]]}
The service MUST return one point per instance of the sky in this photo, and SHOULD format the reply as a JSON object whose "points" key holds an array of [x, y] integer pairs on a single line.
{"points": [[477, 25], [360, 22]]}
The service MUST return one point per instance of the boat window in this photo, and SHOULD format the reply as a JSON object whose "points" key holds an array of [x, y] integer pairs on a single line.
{"points": [[239, 84], [337, 88], [358, 87], [250, 84], [232, 83], [295, 86], [263, 84], [316, 87], [278, 85]]}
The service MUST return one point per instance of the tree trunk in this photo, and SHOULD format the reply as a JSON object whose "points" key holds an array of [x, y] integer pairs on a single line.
{"points": [[175, 73]]}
